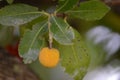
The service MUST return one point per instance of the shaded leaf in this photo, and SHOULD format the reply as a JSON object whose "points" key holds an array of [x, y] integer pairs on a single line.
{"points": [[6, 35], [75, 57], [61, 31], [65, 5], [95, 52], [32, 42], [10, 1], [90, 10], [29, 25], [17, 14]]}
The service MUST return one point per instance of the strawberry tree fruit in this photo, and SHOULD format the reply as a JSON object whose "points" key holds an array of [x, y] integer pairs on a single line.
{"points": [[49, 57], [47, 25]]}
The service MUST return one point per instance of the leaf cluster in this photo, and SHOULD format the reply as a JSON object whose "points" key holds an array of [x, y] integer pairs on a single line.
{"points": [[74, 54]]}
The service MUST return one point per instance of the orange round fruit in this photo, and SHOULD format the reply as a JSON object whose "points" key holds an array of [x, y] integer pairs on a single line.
{"points": [[49, 57]]}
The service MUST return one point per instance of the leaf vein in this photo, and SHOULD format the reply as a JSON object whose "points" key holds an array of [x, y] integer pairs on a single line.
{"points": [[61, 29], [74, 53], [26, 13], [36, 35], [80, 11], [62, 6]]}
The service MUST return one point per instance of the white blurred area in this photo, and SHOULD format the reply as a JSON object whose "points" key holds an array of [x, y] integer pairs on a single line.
{"points": [[110, 42], [104, 73], [102, 35]]}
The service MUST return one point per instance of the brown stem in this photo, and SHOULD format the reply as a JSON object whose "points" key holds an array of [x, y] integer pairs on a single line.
{"points": [[50, 34]]}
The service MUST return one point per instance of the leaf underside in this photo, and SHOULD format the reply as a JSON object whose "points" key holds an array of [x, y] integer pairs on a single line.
{"points": [[61, 31], [32, 42], [17, 14]]}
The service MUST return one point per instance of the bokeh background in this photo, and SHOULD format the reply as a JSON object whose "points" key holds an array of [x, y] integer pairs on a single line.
{"points": [[102, 38]]}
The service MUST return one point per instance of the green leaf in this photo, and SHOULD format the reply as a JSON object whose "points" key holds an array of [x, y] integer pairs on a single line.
{"points": [[32, 42], [65, 5], [10, 1], [61, 31], [6, 35], [75, 57], [95, 52], [29, 25], [18, 14], [90, 10]]}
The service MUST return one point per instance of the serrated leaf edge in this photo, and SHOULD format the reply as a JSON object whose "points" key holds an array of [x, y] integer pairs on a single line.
{"points": [[33, 36]]}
